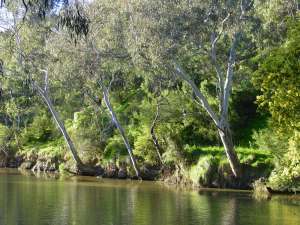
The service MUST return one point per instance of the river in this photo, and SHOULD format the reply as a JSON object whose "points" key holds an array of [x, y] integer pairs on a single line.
{"points": [[31, 200]]}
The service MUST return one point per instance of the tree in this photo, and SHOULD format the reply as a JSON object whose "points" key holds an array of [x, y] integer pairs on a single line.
{"points": [[44, 93], [100, 79], [32, 60], [209, 30], [278, 79], [96, 54]]}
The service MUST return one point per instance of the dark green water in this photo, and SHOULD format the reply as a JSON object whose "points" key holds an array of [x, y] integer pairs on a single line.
{"points": [[27, 200]]}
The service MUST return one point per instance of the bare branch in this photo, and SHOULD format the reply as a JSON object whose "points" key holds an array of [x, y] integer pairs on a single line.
{"points": [[217, 37], [204, 103], [110, 83], [5, 152], [242, 7], [38, 88], [46, 80], [214, 39], [229, 76]]}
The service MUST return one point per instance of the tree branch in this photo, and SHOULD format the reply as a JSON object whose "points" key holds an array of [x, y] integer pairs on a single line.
{"points": [[229, 76], [204, 103], [214, 39], [46, 80]]}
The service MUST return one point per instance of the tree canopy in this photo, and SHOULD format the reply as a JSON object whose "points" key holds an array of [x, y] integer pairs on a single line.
{"points": [[153, 86]]}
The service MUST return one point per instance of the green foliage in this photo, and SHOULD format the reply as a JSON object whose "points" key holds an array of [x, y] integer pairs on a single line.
{"points": [[86, 131], [49, 149], [42, 129], [286, 176], [268, 139], [249, 156], [202, 173], [115, 149], [278, 79], [134, 59], [144, 147], [6, 139], [260, 191]]}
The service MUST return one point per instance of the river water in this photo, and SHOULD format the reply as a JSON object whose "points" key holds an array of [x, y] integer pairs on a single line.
{"points": [[29, 200]]}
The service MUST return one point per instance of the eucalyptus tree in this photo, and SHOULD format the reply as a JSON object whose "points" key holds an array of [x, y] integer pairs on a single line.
{"points": [[105, 77], [31, 60], [102, 61], [218, 34]]}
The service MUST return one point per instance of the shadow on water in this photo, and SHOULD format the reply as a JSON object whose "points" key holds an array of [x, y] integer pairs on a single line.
{"points": [[49, 199]]}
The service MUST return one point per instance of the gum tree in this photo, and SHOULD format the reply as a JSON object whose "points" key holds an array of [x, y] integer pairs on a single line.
{"points": [[32, 58], [213, 32]]}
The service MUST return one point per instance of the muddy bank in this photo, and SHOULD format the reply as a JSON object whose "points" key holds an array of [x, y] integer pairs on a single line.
{"points": [[204, 174]]}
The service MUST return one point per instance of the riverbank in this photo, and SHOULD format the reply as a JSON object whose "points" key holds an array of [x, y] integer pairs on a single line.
{"points": [[202, 168]]}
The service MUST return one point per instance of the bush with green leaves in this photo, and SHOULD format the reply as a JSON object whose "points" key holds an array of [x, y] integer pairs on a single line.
{"points": [[6, 138], [203, 172], [41, 130], [115, 150], [269, 139], [286, 176], [144, 147]]}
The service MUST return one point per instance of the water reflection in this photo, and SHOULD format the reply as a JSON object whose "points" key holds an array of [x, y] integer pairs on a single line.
{"points": [[27, 200]]}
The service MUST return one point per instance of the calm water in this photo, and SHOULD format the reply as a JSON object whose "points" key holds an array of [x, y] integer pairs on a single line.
{"points": [[27, 200]]}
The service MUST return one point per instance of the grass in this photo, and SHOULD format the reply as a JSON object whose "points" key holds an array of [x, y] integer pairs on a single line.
{"points": [[251, 156], [209, 163], [50, 148]]}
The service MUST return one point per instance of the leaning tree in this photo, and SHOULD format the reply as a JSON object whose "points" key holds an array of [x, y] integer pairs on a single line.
{"points": [[218, 34]]}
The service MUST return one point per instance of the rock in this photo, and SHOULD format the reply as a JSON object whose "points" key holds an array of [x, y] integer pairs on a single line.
{"points": [[122, 173], [2, 164], [27, 165], [3, 160], [111, 171], [99, 171], [87, 170], [45, 165], [149, 173], [12, 163], [52, 168]]}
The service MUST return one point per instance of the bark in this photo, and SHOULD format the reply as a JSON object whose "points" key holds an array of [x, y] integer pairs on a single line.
{"points": [[226, 138], [61, 127], [153, 135], [229, 78], [204, 103], [221, 124], [81, 168], [121, 130]]}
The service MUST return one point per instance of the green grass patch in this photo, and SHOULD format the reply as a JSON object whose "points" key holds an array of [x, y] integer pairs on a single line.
{"points": [[50, 148], [251, 156]]}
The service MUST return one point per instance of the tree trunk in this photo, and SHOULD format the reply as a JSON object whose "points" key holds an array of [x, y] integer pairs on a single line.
{"points": [[154, 138], [222, 123], [121, 130], [62, 128], [226, 138]]}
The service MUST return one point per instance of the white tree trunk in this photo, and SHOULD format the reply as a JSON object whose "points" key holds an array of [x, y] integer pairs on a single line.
{"points": [[61, 127], [121, 130], [221, 124], [226, 138]]}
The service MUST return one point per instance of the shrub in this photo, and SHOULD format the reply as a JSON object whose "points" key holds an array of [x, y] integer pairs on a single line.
{"points": [[260, 191], [202, 173], [286, 176], [268, 139]]}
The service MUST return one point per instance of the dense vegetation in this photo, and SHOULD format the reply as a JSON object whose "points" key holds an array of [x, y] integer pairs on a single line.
{"points": [[154, 89]]}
